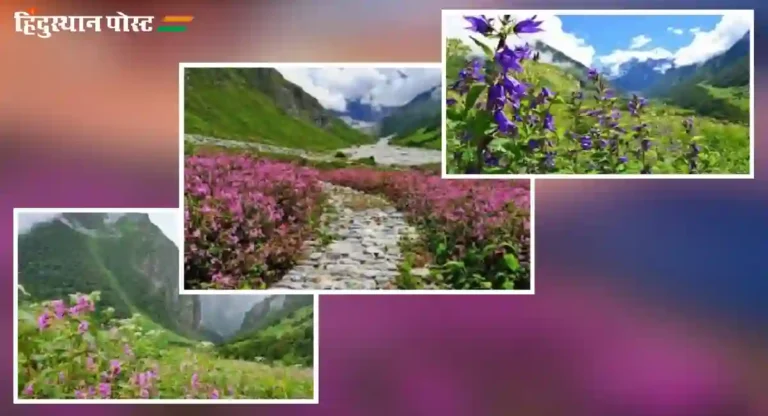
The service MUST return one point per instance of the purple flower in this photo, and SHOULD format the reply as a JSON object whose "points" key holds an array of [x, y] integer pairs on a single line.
{"points": [[549, 123], [29, 389], [449, 102], [105, 389], [144, 394], [214, 394], [44, 320], [195, 381], [59, 308], [549, 160], [688, 124], [695, 149], [586, 142], [513, 86], [622, 159], [592, 74], [523, 52], [79, 394], [83, 327], [508, 60], [114, 367], [505, 125], [496, 97], [490, 159], [645, 144], [533, 144], [479, 24], [529, 25]]}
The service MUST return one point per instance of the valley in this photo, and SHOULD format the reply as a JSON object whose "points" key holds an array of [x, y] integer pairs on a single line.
{"points": [[100, 317], [552, 114], [276, 214]]}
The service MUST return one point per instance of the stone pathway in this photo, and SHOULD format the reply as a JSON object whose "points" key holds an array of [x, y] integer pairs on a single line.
{"points": [[365, 253]]}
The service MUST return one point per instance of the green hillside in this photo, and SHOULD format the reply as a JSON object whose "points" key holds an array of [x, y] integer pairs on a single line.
{"points": [[77, 356], [718, 88], [128, 262], [426, 137], [417, 123], [725, 143], [288, 339], [258, 104]]}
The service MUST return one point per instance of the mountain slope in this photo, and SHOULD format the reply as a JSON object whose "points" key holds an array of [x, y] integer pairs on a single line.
{"points": [[285, 334], [719, 87], [132, 263], [258, 104], [417, 123]]}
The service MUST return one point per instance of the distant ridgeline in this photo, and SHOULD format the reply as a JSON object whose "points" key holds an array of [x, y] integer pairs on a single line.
{"points": [[260, 105], [717, 87], [417, 123], [285, 334], [135, 267], [128, 259]]}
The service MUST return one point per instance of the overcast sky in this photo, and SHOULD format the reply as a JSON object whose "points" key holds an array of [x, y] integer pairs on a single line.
{"points": [[167, 221], [607, 41], [375, 86]]}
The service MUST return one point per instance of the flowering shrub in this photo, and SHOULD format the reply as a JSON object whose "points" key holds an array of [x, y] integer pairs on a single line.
{"points": [[503, 118], [245, 219], [477, 231], [66, 351]]}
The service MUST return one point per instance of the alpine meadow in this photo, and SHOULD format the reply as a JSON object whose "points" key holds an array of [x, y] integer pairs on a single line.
{"points": [[271, 202], [517, 105], [100, 317]]}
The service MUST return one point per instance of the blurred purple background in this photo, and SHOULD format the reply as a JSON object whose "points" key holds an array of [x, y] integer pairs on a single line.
{"points": [[651, 295]]}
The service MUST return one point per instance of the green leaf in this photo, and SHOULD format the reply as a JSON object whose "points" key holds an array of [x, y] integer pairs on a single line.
{"points": [[455, 264], [26, 316], [479, 123], [512, 262], [453, 114], [486, 49], [472, 96]]}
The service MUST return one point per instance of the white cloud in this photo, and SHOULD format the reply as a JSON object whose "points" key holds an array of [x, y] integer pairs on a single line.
{"points": [[375, 86], [613, 61], [454, 26], [675, 30], [639, 41], [705, 45]]}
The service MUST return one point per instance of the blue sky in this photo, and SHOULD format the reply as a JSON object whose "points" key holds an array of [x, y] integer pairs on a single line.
{"points": [[623, 28], [607, 41]]}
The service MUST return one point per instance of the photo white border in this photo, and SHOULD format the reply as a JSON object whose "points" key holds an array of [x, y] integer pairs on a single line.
{"points": [[640, 12], [333, 292], [16, 400]]}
